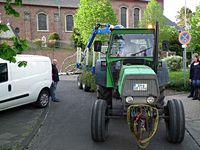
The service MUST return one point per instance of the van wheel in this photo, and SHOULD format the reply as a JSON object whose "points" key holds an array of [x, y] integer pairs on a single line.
{"points": [[43, 99]]}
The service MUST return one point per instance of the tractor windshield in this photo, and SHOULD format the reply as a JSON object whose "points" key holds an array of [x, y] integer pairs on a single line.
{"points": [[132, 45]]}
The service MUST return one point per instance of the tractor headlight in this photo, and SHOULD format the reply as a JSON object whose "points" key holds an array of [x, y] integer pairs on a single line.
{"points": [[150, 100], [129, 99]]}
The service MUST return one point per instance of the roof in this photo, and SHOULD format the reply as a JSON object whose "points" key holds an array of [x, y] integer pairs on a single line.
{"points": [[61, 3], [171, 23]]}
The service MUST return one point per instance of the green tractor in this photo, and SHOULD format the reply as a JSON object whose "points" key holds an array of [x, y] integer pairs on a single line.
{"points": [[132, 73]]}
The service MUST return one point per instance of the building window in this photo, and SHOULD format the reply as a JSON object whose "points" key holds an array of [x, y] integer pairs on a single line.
{"points": [[136, 16], [42, 22], [69, 23], [3, 72], [124, 16]]}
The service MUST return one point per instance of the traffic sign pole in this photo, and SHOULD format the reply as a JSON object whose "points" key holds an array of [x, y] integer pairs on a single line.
{"points": [[184, 38], [184, 64]]}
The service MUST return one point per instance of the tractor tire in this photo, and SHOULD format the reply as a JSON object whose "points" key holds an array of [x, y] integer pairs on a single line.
{"points": [[99, 122], [175, 121], [105, 94], [85, 87], [79, 83]]}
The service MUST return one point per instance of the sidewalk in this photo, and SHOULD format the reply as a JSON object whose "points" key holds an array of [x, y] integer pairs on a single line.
{"points": [[19, 125], [192, 115]]}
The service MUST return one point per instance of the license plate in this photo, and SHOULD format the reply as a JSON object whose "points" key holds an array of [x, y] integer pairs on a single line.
{"points": [[139, 87]]}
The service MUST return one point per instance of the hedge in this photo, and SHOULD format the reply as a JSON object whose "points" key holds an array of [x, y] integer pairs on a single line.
{"points": [[174, 63], [89, 79], [177, 81]]}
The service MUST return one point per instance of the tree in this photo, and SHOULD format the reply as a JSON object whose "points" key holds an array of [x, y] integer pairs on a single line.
{"points": [[180, 18], [170, 34], [152, 13], [195, 30], [8, 52], [91, 13]]}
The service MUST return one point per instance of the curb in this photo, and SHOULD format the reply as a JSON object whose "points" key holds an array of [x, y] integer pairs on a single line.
{"points": [[24, 144], [193, 138]]}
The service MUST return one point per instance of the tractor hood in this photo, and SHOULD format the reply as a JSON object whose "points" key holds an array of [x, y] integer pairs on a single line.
{"points": [[135, 75]]}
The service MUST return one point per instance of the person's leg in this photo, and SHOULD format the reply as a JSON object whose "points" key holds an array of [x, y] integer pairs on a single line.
{"points": [[53, 89], [194, 83], [198, 93], [198, 86], [191, 91], [195, 97]]}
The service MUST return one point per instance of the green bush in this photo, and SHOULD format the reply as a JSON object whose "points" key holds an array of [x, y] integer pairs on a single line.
{"points": [[174, 63], [37, 42], [53, 40], [53, 36], [177, 81], [89, 79]]}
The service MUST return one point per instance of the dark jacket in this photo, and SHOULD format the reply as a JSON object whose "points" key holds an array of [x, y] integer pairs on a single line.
{"points": [[195, 72], [55, 76]]}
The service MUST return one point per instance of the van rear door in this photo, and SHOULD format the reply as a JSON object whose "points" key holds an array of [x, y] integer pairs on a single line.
{"points": [[5, 86]]}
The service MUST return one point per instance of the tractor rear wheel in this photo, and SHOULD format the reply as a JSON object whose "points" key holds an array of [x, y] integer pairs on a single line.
{"points": [[105, 94], [79, 83], [175, 121], [86, 88], [99, 121]]}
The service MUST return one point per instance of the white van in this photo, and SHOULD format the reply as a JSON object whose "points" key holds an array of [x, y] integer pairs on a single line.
{"points": [[23, 85]]}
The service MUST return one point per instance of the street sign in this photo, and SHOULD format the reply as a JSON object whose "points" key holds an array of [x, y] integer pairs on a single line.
{"points": [[184, 37]]}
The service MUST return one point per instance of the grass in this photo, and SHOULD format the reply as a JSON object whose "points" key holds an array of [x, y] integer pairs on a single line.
{"points": [[177, 81]]}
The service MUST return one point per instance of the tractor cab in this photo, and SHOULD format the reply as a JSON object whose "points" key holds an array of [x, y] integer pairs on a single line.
{"points": [[127, 47]]}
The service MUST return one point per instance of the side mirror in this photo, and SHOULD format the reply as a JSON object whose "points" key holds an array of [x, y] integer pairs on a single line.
{"points": [[97, 46]]}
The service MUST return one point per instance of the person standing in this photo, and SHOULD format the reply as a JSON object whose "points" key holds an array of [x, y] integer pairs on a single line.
{"points": [[55, 80], [195, 76]]}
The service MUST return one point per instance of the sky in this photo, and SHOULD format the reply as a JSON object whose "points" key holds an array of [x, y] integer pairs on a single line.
{"points": [[172, 6]]}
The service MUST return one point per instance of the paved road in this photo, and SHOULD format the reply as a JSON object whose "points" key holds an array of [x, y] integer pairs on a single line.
{"points": [[67, 127]]}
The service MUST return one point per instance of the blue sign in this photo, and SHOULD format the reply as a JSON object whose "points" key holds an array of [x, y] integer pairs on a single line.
{"points": [[184, 37]]}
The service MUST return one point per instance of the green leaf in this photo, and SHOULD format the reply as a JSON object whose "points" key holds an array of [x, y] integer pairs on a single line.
{"points": [[22, 63], [9, 10], [16, 45], [3, 27], [18, 2], [88, 15]]}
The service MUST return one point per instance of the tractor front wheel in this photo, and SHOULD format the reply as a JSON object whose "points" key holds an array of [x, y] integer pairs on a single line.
{"points": [[175, 121], [99, 121]]}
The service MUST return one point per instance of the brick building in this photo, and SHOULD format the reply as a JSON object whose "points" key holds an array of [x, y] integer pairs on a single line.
{"points": [[39, 18]]}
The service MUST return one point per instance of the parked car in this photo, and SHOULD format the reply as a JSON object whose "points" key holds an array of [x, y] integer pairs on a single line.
{"points": [[23, 85]]}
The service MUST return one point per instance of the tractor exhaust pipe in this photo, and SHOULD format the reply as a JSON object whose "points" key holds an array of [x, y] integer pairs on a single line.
{"points": [[156, 48]]}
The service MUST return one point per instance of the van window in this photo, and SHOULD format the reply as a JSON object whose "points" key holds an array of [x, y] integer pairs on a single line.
{"points": [[3, 72]]}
